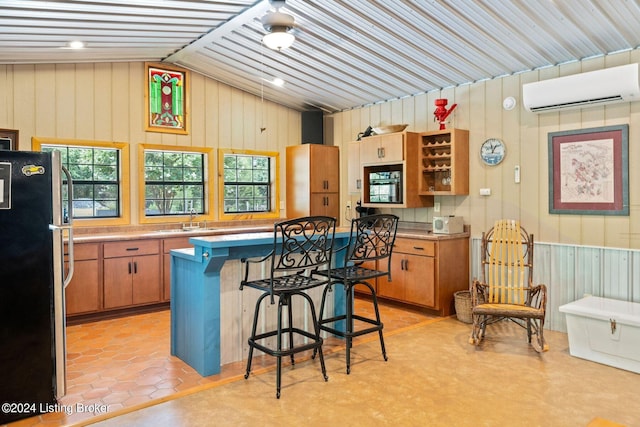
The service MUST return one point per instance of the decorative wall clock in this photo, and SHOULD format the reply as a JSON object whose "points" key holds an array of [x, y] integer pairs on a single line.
{"points": [[492, 151]]}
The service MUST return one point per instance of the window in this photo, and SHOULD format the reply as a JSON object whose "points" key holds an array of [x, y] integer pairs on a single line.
{"points": [[96, 169], [174, 181], [249, 184]]}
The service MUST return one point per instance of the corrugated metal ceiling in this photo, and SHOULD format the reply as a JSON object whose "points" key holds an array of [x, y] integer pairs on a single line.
{"points": [[346, 54]]}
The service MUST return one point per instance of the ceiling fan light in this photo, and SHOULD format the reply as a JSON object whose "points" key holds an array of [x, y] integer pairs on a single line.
{"points": [[278, 38]]}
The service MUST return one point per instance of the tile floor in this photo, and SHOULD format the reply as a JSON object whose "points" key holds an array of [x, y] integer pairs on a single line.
{"points": [[126, 362]]}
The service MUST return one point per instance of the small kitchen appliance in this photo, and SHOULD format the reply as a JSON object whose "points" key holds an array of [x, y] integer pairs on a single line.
{"points": [[448, 224]]}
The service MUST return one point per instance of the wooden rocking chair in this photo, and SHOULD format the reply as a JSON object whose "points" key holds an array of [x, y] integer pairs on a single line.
{"points": [[506, 290]]}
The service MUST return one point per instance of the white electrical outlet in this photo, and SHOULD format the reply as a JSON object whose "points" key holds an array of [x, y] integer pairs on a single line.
{"points": [[436, 206], [348, 204], [485, 191]]}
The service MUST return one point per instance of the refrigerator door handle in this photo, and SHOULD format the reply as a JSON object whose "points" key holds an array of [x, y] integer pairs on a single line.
{"points": [[69, 227]]}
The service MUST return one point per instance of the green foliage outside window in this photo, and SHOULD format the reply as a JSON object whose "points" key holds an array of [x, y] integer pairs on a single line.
{"points": [[174, 182], [96, 179], [246, 183]]}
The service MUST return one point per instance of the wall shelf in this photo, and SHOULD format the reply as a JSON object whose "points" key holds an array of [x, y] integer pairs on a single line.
{"points": [[444, 162]]}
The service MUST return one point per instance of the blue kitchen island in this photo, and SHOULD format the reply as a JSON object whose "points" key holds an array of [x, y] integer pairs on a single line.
{"points": [[202, 329]]}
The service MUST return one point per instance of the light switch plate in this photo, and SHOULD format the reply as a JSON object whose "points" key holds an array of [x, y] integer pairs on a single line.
{"points": [[485, 191]]}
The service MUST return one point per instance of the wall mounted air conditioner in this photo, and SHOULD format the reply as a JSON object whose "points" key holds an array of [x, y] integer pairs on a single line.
{"points": [[594, 88]]}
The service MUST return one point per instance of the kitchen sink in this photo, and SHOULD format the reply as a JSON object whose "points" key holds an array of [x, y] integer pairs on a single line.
{"points": [[186, 230]]}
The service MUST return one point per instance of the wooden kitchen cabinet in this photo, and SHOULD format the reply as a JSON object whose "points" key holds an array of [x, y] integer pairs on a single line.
{"points": [[167, 246], [388, 148], [325, 204], [313, 180], [412, 273], [354, 171], [131, 273], [395, 154], [427, 273], [444, 162], [83, 295]]}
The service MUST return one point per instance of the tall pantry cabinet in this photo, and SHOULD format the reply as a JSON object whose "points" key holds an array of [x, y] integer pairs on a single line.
{"points": [[313, 180]]}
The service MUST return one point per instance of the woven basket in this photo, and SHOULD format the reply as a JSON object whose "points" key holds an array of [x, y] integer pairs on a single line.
{"points": [[463, 306]]}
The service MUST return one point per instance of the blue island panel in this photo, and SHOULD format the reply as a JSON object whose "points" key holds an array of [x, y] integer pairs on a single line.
{"points": [[195, 293]]}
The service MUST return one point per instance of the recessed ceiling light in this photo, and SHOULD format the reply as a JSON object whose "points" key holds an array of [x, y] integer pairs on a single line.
{"points": [[76, 44]]}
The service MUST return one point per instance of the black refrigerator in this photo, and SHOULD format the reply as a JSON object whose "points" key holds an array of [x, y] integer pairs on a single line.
{"points": [[32, 268]]}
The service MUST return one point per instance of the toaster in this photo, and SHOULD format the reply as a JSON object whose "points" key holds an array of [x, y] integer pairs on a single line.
{"points": [[447, 224]]}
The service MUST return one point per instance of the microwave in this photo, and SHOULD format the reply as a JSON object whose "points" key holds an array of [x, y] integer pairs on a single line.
{"points": [[385, 184], [447, 224]]}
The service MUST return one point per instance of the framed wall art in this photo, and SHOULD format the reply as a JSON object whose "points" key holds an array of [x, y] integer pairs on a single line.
{"points": [[589, 171], [8, 139], [166, 96]]}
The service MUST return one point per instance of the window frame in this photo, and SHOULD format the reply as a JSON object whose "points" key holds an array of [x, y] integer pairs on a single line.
{"points": [[209, 163], [124, 187], [274, 181]]}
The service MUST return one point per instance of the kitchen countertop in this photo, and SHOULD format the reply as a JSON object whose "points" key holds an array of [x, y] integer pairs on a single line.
{"points": [[168, 233], [406, 230]]}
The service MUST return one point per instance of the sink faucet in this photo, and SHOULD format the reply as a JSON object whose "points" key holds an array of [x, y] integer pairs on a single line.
{"points": [[192, 212]]}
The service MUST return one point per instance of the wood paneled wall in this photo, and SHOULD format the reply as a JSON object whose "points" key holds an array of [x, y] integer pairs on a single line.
{"points": [[480, 111], [105, 102]]}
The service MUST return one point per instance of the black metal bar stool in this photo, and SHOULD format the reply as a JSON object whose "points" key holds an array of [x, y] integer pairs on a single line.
{"points": [[367, 256], [301, 246]]}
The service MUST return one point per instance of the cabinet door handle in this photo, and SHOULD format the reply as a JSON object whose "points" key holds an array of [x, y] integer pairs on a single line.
{"points": [[135, 267], [382, 151], [129, 267], [406, 264]]}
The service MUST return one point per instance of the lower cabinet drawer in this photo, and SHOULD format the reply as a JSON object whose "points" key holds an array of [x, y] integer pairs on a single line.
{"points": [[82, 251], [131, 248], [414, 246]]}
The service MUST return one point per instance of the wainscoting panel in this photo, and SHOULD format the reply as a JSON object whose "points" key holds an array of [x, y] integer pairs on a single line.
{"points": [[572, 271]]}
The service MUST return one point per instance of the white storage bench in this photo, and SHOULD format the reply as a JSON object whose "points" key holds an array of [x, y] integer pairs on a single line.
{"points": [[605, 331]]}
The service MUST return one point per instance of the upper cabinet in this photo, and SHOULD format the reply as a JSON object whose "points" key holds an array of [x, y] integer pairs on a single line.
{"points": [[354, 172], [389, 171], [383, 148], [444, 162]]}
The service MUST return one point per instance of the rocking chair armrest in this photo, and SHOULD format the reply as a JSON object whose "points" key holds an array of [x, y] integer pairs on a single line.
{"points": [[478, 289], [538, 296]]}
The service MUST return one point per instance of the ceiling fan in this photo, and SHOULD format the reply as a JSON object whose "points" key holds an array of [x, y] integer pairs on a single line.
{"points": [[278, 25]]}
